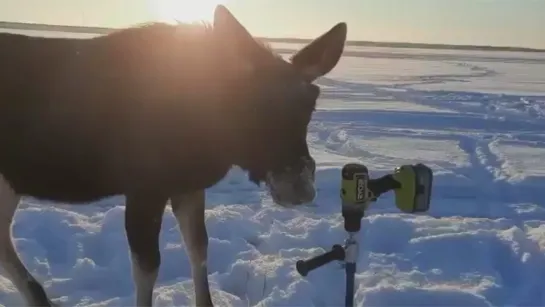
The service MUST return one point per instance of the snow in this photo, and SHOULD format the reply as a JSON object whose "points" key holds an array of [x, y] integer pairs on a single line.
{"points": [[476, 118]]}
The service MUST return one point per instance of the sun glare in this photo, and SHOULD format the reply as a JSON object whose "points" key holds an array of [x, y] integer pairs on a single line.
{"points": [[185, 10]]}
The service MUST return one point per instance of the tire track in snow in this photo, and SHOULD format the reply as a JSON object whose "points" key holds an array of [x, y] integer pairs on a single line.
{"points": [[475, 72], [496, 192], [481, 172], [487, 165]]}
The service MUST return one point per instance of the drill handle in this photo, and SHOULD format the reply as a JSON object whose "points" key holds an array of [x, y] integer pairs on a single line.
{"points": [[382, 185], [305, 266]]}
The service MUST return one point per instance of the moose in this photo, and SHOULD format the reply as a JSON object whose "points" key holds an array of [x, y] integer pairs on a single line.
{"points": [[157, 113]]}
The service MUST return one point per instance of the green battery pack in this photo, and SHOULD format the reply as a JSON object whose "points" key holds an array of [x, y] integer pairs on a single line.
{"points": [[414, 193]]}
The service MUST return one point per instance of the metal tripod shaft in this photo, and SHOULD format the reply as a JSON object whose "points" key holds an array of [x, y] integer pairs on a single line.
{"points": [[351, 257]]}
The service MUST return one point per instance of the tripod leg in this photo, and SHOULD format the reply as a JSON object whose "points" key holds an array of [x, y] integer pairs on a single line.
{"points": [[350, 271]]}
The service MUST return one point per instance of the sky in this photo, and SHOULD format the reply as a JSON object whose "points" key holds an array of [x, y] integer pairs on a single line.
{"points": [[517, 23]]}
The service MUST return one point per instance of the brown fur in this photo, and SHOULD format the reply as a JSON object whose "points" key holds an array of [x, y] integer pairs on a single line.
{"points": [[154, 112]]}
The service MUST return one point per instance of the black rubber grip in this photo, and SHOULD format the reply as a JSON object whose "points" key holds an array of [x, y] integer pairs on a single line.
{"points": [[382, 185], [305, 266]]}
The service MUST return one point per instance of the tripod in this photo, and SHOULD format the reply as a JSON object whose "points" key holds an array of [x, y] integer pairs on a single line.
{"points": [[412, 186]]}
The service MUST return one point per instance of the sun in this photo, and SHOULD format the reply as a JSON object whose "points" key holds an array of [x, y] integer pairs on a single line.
{"points": [[184, 10]]}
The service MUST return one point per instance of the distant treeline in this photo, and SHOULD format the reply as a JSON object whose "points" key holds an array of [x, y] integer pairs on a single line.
{"points": [[412, 45], [104, 30]]}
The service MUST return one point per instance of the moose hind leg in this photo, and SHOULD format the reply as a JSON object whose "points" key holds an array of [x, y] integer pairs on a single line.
{"points": [[189, 212], [143, 217], [31, 290]]}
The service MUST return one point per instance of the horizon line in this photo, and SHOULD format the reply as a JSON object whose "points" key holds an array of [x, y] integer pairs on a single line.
{"points": [[30, 26]]}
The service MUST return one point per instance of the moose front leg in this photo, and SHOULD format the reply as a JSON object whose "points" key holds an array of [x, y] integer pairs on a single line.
{"points": [[143, 217], [189, 212]]}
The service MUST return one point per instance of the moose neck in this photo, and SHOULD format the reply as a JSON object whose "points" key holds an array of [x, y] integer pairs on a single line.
{"points": [[239, 125]]}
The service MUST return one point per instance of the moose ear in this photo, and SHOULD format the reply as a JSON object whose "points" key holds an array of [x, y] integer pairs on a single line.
{"points": [[232, 33], [322, 54]]}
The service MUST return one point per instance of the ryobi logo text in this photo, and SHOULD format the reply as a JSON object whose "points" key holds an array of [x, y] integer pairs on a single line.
{"points": [[361, 187]]}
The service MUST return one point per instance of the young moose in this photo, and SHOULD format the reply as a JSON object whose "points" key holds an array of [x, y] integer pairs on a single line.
{"points": [[156, 113]]}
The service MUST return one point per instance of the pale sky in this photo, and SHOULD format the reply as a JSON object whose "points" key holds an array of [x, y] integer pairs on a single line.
{"points": [[478, 22]]}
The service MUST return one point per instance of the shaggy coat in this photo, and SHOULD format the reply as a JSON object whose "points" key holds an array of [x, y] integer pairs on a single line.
{"points": [[156, 113]]}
